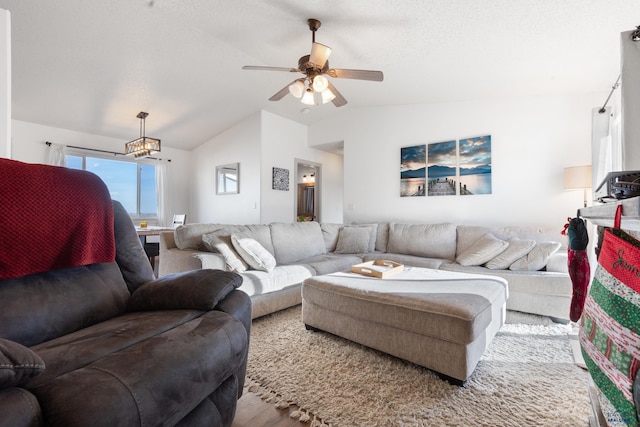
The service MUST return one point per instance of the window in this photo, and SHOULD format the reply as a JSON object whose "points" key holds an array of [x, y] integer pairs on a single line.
{"points": [[131, 183]]}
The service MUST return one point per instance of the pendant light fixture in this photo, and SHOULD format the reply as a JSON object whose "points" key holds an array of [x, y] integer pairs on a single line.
{"points": [[143, 146]]}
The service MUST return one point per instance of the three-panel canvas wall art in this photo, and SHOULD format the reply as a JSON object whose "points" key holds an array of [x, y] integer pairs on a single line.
{"points": [[447, 168]]}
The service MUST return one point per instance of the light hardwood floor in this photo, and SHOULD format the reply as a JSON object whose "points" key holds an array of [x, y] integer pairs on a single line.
{"points": [[254, 412]]}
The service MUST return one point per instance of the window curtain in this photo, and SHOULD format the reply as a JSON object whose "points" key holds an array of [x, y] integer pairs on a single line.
{"points": [[55, 156], [606, 141], [163, 173], [630, 94]]}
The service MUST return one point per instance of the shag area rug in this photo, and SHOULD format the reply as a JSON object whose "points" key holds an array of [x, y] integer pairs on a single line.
{"points": [[527, 377]]}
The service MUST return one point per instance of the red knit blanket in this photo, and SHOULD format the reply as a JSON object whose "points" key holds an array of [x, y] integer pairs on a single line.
{"points": [[52, 217]]}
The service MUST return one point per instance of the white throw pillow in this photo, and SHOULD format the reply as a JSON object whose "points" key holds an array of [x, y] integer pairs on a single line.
{"points": [[220, 242], [353, 240], [537, 258], [485, 248], [517, 249], [253, 253]]}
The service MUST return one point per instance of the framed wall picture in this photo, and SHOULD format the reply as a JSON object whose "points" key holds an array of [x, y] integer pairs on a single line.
{"points": [[475, 165], [280, 179], [413, 163], [442, 161]]}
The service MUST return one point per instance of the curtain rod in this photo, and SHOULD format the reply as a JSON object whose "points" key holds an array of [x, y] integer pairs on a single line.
{"points": [[614, 87], [101, 151]]}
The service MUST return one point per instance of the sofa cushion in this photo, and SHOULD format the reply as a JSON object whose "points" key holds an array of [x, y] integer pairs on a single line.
{"points": [[382, 237], [90, 344], [256, 282], [412, 260], [61, 301], [17, 363], [427, 240], [353, 240], [253, 252], [530, 282], [295, 241], [468, 234], [517, 249], [220, 241], [374, 234], [331, 263], [330, 235], [189, 236], [537, 258], [558, 262], [123, 388], [483, 250]]}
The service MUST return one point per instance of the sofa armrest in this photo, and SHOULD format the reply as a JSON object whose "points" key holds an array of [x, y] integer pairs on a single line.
{"points": [[176, 260], [195, 290], [17, 364], [211, 260], [19, 408], [558, 262]]}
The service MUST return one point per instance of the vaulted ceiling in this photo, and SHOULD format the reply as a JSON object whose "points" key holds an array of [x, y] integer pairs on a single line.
{"points": [[91, 66]]}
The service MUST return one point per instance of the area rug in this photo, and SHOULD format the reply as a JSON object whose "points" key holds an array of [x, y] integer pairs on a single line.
{"points": [[527, 377]]}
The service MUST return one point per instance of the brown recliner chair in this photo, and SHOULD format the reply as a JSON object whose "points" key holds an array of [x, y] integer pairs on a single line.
{"points": [[87, 335]]}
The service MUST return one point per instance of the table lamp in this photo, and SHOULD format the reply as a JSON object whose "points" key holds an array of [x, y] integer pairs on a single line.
{"points": [[578, 177]]}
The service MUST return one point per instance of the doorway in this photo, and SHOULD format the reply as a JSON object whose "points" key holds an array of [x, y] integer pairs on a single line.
{"points": [[307, 191]]}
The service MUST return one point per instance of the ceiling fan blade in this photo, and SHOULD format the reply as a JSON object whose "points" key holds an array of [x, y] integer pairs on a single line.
{"points": [[339, 100], [340, 73], [319, 54], [281, 93], [259, 67]]}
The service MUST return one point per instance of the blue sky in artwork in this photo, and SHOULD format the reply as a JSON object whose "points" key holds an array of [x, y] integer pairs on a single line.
{"points": [[442, 153], [476, 151], [413, 157]]}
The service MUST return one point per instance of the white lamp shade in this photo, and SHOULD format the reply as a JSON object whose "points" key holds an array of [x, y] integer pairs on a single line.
{"points": [[319, 54], [320, 83], [297, 88], [327, 96], [307, 98], [577, 177]]}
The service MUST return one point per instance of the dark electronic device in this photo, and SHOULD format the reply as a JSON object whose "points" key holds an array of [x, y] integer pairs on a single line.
{"points": [[619, 185]]}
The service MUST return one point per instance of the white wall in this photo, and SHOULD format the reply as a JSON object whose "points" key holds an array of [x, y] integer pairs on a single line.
{"points": [[630, 91], [239, 144], [284, 141], [533, 140], [29, 146], [260, 143], [5, 83]]}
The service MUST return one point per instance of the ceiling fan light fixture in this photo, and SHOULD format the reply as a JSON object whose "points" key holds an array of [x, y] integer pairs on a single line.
{"points": [[307, 98], [319, 54], [297, 88], [320, 83], [327, 96], [315, 88]]}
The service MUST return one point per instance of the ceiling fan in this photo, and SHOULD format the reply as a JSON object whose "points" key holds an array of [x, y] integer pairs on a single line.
{"points": [[314, 88]]}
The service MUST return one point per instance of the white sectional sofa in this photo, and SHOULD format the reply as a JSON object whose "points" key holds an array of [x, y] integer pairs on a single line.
{"points": [[532, 260]]}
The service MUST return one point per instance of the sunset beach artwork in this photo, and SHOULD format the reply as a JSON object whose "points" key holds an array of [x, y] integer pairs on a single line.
{"points": [[413, 163], [441, 168], [475, 165]]}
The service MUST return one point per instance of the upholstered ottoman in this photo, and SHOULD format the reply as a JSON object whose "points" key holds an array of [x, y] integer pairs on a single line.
{"points": [[438, 319]]}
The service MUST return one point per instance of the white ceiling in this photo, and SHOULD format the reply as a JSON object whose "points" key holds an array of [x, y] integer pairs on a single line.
{"points": [[91, 66]]}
